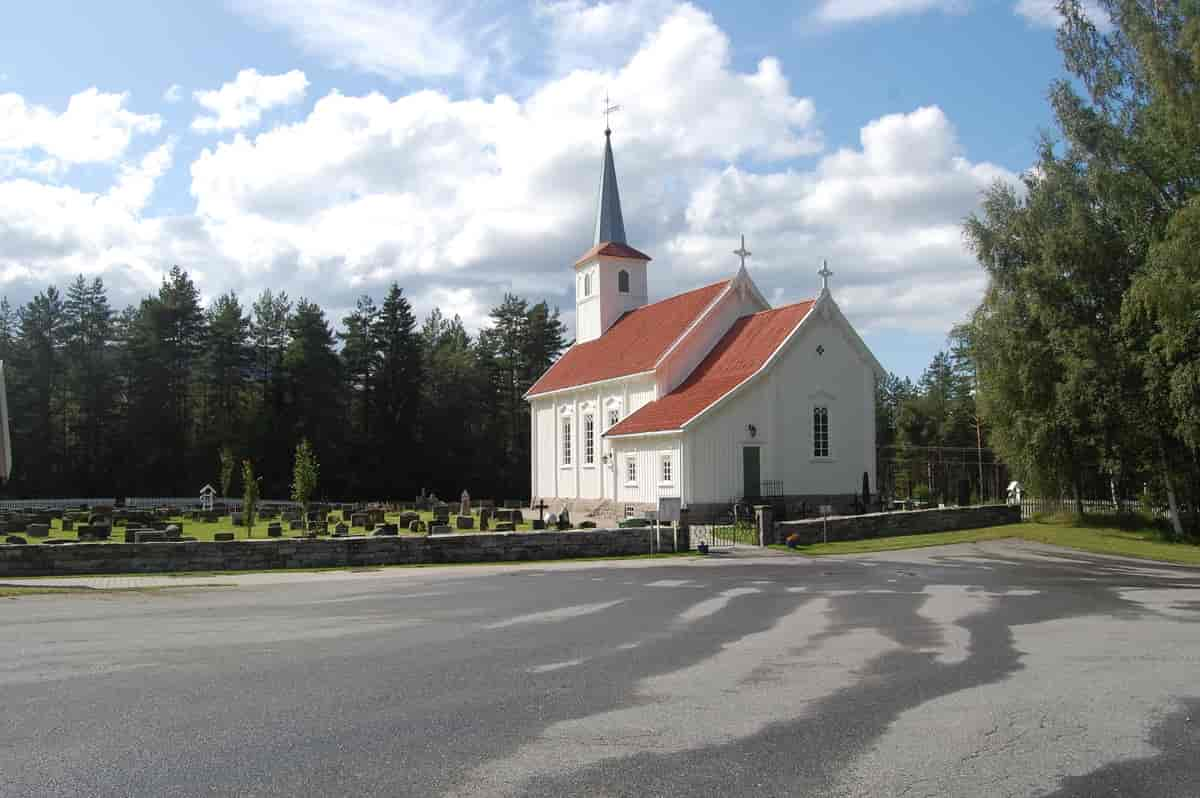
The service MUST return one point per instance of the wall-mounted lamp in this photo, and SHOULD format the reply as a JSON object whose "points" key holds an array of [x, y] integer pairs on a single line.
{"points": [[753, 430]]}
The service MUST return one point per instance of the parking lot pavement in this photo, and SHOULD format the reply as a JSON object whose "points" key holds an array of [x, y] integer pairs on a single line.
{"points": [[990, 669]]}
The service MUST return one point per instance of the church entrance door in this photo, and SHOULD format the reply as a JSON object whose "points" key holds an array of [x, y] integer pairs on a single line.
{"points": [[751, 484]]}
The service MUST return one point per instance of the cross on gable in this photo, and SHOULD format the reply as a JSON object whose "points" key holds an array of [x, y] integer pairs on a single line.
{"points": [[742, 252], [825, 274], [609, 108]]}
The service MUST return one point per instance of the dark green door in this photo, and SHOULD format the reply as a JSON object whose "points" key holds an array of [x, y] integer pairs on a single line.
{"points": [[750, 472]]}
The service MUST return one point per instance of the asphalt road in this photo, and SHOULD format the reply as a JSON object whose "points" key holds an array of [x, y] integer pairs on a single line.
{"points": [[998, 669]]}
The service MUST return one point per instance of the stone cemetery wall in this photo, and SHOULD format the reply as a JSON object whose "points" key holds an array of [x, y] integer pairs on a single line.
{"points": [[243, 555], [911, 522]]}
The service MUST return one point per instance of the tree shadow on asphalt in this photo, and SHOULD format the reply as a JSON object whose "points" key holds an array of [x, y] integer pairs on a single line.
{"points": [[806, 756]]}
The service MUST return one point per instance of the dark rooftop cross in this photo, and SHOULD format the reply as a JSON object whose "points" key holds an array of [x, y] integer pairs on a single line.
{"points": [[609, 108], [742, 252]]}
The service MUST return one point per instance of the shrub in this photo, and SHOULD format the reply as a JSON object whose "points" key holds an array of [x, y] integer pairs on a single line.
{"points": [[630, 523], [793, 540]]}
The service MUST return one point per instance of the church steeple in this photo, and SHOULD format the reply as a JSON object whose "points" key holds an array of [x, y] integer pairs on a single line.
{"points": [[610, 226]]}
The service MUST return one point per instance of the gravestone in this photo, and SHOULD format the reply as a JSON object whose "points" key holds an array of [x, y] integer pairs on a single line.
{"points": [[358, 520], [274, 531], [505, 526], [552, 520], [341, 529], [484, 522], [386, 530], [223, 537], [537, 524], [237, 519], [38, 530], [416, 525], [464, 522], [375, 516], [68, 525], [173, 532], [16, 540], [440, 529], [587, 525], [564, 517], [464, 503], [149, 536]]}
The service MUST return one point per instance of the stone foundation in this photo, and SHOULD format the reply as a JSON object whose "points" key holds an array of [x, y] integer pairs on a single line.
{"points": [[255, 555], [911, 522]]}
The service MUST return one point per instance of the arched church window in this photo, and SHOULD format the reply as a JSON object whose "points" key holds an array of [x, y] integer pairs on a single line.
{"points": [[587, 284], [623, 281]]}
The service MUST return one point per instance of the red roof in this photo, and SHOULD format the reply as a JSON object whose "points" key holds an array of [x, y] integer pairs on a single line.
{"points": [[741, 352], [633, 344], [612, 249]]}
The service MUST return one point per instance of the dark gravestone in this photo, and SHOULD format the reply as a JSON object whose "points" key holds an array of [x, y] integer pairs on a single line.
{"points": [[223, 537], [464, 522], [16, 540], [274, 531], [38, 530], [358, 520], [68, 525], [416, 525], [537, 524], [237, 519], [505, 526], [386, 530], [173, 532], [341, 529], [587, 525], [440, 529], [484, 522], [149, 536]]}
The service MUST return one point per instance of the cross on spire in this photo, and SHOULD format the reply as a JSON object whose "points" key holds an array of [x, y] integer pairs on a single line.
{"points": [[825, 274], [609, 108], [742, 252]]}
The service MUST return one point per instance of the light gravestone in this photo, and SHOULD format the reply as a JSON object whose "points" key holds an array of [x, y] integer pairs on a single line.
{"points": [[464, 505]]}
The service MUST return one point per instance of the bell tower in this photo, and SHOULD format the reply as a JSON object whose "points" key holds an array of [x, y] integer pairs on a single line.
{"points": [[610, 279]]}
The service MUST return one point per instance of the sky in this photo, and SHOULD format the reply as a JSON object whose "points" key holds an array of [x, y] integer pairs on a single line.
{"points": [[328, 148]]}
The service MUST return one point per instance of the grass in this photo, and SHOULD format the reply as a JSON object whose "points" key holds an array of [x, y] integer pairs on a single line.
{"points": [[204, 530], [1091, 534]]}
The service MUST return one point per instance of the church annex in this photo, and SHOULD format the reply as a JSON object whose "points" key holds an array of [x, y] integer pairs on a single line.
{"points": [[711, 395]]}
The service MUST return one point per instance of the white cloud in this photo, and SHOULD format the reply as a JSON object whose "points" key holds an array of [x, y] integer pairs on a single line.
{"points": [[586, 34], [431, 39], [173, 94], [1045, 13], [240, 103], [855, 10], [462, 199], [96, 127]]}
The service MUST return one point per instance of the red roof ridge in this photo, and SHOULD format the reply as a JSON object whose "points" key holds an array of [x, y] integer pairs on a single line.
{"points": [[632, 345], [746, 349], [613, 249]]}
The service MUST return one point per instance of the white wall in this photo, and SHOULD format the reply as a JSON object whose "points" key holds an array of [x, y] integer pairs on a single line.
{"points": [[596, 312], [779, 404], [683, 360], [579, 480], [647, 452]]}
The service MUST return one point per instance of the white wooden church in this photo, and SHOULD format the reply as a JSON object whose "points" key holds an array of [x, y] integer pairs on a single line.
{"points": [[711, 395]]}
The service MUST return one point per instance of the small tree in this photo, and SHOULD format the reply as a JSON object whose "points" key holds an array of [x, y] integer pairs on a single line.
{"points": [[249, 495], [226, 472], [305, 474]]}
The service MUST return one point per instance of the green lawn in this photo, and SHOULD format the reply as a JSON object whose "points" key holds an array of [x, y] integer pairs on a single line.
{"points": [[202, 530], [1143, 543]]}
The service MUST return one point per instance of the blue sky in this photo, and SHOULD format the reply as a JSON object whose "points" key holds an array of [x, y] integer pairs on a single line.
{"points": [[455, 147]]}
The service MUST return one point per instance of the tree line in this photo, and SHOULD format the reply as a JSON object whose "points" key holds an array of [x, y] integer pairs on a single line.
{"points": [[164, 396], [1088, 338]]}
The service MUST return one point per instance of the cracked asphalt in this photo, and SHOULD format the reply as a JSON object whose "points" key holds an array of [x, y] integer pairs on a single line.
{"points": [[994, 669]]}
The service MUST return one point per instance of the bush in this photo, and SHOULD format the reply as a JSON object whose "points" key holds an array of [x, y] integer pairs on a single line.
{"points": [[631, 523], [793, 540]]}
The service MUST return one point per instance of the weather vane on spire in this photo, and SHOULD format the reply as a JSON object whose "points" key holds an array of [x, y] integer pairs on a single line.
{"points": [[742, 252], [609, 108], [825, 274]]}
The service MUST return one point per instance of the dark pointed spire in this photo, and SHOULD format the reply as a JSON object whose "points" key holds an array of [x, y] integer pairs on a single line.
{"points": [[610, 227]]}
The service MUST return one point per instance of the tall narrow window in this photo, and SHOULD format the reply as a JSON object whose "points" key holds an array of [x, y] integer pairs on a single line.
{"points": [[566, 441], [587, 284], [820, 432], [631, 469], [614, 416], [623, 281], [668, 471], [589, 439]]}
